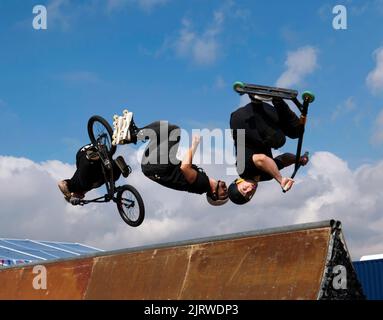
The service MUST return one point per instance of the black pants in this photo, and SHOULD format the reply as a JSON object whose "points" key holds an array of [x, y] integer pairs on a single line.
{"points": [[161, 153], [89, 174], [273, 124], [288, 120]]}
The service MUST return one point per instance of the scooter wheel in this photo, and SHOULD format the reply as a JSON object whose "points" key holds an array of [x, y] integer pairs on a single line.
{"points": [[309, 96], [238, 85]]}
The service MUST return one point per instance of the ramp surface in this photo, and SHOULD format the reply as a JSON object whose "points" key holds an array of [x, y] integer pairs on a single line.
{"points": [[284, 263]]}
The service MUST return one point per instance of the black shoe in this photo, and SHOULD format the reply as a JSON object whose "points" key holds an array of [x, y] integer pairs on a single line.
{"points": [[124, 168]]}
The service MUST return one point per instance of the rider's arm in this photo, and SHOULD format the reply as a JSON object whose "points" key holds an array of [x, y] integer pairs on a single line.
{"points": [[269, 166], [186, 164]]}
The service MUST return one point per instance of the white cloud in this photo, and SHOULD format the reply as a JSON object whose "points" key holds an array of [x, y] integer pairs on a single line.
{"points": [[203, 44], [32, 206], [347, 106], [64, 14], [57, 16], [325, 12], [375, 77], [146, 5], [299, 64], [10, 119], [202, 48], [365, 7], [377, 136], [220, 82]]}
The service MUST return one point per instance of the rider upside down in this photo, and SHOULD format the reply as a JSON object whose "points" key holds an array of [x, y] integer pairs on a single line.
{"points": [[265, 128], [89, 174], [160, 163]]}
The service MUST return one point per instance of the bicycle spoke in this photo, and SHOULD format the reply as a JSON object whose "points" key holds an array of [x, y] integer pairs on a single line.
{"points": [[130, 205], [101, 135]]}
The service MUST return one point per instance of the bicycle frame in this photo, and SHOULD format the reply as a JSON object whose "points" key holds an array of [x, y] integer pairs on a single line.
{"points": [[105, 198]]}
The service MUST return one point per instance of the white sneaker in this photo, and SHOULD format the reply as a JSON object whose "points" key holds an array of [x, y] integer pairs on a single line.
{"points": [[121, 128]]}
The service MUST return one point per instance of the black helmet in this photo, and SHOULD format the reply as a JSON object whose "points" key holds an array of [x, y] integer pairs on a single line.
{"points": [[235, 196], [214, 199]]}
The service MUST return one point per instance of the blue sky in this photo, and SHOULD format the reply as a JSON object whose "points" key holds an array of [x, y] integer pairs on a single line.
{"points": [[176, 60]]}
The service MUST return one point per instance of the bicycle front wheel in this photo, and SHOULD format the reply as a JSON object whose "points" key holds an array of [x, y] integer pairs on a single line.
{"points": [[130, 205], [100, 133]]}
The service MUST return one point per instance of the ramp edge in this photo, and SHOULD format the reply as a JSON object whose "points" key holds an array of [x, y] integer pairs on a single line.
{"points": [[232, 236]]}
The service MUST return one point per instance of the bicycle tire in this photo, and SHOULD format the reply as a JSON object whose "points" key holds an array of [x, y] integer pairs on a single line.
{"points": [[93, 137], [133, 222]]}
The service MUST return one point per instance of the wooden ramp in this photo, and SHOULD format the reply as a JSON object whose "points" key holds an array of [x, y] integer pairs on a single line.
{"points": [[308, 261]]}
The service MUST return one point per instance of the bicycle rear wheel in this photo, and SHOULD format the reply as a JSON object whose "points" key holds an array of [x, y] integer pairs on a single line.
{"points": [[100, 133], [130, 205]]}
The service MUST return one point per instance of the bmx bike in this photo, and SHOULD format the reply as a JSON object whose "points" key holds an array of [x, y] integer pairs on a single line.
{"points": [[128, 200]]}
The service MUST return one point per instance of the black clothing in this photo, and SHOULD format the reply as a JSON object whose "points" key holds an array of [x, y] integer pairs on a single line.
{"points": [[160, 164], [265, 127], [89, 173], [171, 176]]}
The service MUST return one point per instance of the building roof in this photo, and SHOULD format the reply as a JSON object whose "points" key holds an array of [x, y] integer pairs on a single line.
{"points": [[19, 251], [372, 257]]}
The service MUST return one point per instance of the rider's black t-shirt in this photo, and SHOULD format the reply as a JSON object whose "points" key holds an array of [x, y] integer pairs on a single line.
{"points": [[171, 176]]}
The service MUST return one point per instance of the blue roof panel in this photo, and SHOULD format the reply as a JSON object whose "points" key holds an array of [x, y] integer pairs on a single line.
{"points": [[17, 251], [9, 254], [73, 247]]}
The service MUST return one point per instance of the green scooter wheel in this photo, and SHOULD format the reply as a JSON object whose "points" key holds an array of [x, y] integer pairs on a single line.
{"points": [[307, 95], [238, 85]]}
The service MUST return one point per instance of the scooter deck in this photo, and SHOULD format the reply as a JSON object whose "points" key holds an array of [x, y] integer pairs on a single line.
{"points": [[246, 88]]}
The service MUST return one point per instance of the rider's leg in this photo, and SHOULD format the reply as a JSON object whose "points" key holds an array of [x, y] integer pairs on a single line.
{"points": [[289, 121], [262, 128], [88, 175], [287, 159], [68, 186], [64, 188]]}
